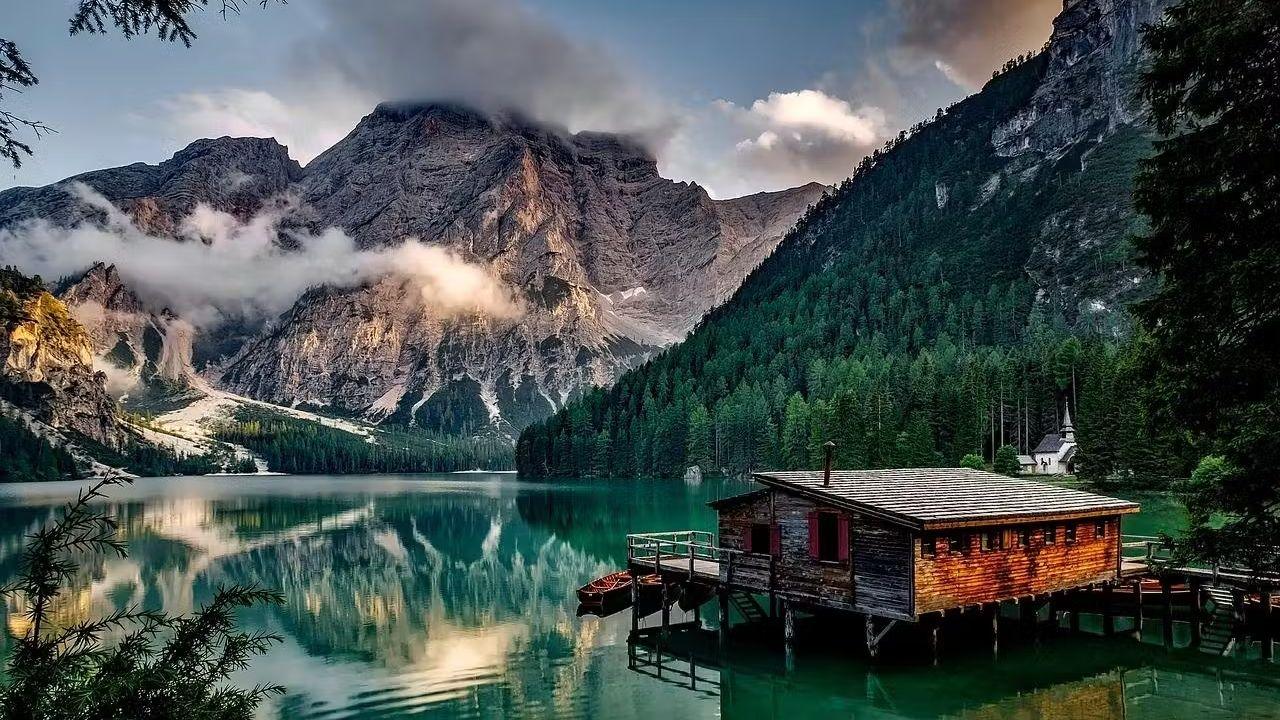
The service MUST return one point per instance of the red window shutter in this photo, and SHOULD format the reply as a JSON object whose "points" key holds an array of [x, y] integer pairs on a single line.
{"points": [[842, 543], [775, 541], [747, 531], [813, 534]]}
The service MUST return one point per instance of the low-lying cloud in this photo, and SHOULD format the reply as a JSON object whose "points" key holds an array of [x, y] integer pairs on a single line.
{"points": [[968, 39], [219, 268]]}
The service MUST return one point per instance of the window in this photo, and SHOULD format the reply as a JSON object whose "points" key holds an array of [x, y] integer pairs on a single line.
{"points": [[1069, 532], [955, 543], [928, 546], [828, 537], [1024, 537], [761, 538], [1100, 529], [991, 540], [1050, 534]]}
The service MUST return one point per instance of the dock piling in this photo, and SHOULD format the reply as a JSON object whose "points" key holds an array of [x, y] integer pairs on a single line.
{"points": [[1166, 619]]}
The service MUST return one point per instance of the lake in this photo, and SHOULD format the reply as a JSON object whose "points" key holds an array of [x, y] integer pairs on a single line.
{"points": [[452, 596]]}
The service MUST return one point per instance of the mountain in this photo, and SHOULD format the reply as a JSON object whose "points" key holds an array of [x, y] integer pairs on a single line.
{"points": [[610, 262], [966, 284]]}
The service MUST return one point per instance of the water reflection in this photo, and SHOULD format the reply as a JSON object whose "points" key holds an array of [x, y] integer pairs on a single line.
{"points": [[1073, 678], [455, 598]]}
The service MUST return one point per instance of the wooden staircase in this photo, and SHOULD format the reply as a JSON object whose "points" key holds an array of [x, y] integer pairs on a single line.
{"points": [[747, 607], [1220, 627]]}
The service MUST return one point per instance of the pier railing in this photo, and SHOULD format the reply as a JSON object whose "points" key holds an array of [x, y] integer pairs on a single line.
{"points": [[673, 547], [690, 550], [1158, 555], [1147, 548]]}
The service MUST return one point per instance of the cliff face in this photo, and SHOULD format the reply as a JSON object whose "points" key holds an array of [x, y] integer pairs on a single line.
{"points": [[1084, 119], [48, 363], [610, 261]]}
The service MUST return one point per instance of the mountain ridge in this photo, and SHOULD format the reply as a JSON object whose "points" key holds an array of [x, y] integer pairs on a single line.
{"points": [[611, 260]]}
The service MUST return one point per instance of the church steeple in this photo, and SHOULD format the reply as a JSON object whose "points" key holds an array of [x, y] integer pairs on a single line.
{"points": [[1068, 430]]}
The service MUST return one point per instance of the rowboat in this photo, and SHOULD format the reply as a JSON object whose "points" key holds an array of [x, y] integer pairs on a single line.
{"points": [[603, 589]]}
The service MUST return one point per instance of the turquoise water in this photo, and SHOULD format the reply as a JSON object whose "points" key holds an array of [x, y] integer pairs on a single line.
{"points": [[452, 596]]}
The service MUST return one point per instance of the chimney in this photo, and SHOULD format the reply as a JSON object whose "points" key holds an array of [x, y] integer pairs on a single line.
{"points": [[829, 447]]}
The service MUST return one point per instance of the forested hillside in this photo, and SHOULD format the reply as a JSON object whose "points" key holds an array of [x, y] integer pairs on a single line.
{"points": [[902, 318]]}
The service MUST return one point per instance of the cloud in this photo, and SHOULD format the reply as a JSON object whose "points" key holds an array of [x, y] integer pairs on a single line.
{"points": [[219, 268], [495, 55], [967, 39], [780, 141], [307, 129]]}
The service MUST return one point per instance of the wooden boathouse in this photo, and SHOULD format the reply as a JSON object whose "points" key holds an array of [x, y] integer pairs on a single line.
{"points": [[895, 545]]}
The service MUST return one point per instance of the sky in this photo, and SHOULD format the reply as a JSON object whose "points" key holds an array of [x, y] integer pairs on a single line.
{"points": [[739, 96]]}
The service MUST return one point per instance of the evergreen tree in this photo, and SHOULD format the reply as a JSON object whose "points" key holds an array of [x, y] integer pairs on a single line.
{"points": [[1006, 462], [973, 462], [1211, 195]]}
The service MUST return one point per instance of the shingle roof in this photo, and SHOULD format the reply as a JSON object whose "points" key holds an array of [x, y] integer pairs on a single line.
{"points": [[1051, 443], [938, 498], [1069, 455]]}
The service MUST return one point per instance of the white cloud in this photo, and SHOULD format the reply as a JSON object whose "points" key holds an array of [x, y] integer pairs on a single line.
{"points": [[217, 267], [778, 141], [307, 127]]}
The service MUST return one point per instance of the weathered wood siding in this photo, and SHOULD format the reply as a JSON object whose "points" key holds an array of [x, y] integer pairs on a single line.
{"points": [[955, 579], [749, 571], [882, 569], [880, 557]]}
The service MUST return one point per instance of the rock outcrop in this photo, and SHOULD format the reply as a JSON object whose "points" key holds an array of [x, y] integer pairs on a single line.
{"points": [[48, 363]]}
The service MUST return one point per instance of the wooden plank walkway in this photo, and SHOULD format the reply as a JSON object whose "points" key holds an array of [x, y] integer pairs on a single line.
{"points": [[703, 570]]}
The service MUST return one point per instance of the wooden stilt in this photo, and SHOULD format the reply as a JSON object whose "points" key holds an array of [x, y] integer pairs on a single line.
{"points": [[993, 613], [1075, 612], [666, 609], [1108, 614], [1197, 612], [723, 596], [1166, 617], [635, 609], [873, 646], [931, 635], [789, 634], [1137, 609], [1268, 632]]}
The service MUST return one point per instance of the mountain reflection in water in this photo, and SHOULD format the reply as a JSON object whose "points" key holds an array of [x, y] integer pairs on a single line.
{"points": [[453, 596]]}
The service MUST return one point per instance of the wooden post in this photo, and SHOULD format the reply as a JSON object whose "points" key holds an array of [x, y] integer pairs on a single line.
{"points": [[1166, 619], [724, 614], [1268, 646], [1197, 611], [789, 634], [932, 630], [666, 610], [873, 647], [635, 608], [1108, 616], [1075, 612], [993, 612], [1055, 602], [1137, 609], [773, 595]]}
